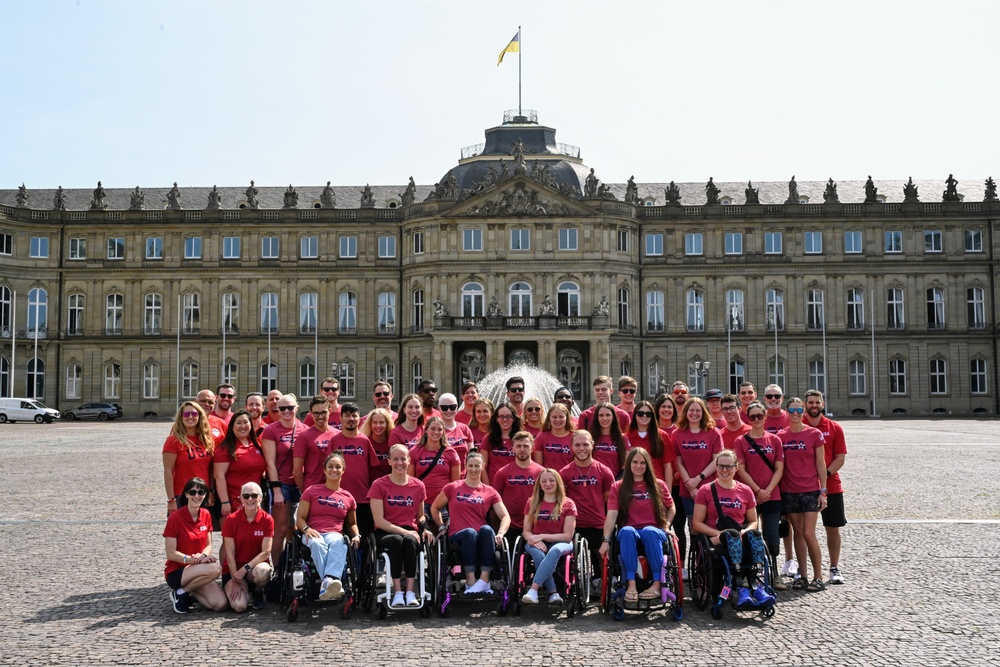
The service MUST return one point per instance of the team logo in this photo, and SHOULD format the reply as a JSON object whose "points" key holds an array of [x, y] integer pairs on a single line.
{"points": [[794, 445], [732, 503], [203, 528], [382, 456], [353, 451], [332, 502], [767, 449], [427, 460], [399, 501], [694, 444], [521, 480], [258, 533], [585, 481], [556, 448], [470, 498], [640, 495], [506, 453]]}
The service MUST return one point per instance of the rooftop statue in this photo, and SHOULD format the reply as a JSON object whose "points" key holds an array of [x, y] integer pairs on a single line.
{"points": [[830, 195], [672, 193], [59, 202], [631, 191], [711, 192], [137, 200], [752, 194], [367, 198], [517, 150], [291, 197], [951, 189], [991, 190], [409, 194], [214, 198], [326, 198], [97, 203], [22, 196], [871, 191], [251, 194], [174, 198], [793, 192], [590, 186], [604, 192], [910, 194]]}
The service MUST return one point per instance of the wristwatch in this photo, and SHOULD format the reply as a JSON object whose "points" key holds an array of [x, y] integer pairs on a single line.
{"points": [[247, 567]]}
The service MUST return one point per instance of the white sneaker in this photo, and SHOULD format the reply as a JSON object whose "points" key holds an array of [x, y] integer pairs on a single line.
{"points": [[398, 599], [326, 589], [531, 597], [555, 598], [835, 576], [411, 599], [790, 568], [482, 587]]}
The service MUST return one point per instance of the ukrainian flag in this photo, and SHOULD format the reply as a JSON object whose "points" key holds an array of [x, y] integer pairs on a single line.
{"points": [[513, 47]]}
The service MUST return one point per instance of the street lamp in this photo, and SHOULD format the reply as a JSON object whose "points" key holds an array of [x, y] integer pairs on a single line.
{"points": [[701, 372]]}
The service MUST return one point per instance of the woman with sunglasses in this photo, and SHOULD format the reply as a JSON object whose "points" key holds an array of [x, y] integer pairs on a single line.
{"points": [[643, 432], [237, 460], [554, 445], [278, 444], [497, 447], [665, 413], [482, 415], [377, 425], [458, 435], [432, 460], [534, 416], [410, 427], [247, 534], [803, 491], [610, 444], [187, 452], [191, 569], [762, 463]]}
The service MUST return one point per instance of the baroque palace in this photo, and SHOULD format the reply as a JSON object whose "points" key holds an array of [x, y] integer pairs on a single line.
{"points": [[880, 293]]}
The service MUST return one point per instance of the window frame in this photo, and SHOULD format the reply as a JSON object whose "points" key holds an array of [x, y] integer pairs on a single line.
{"points": [[347, 246], [38, 247], [386, 247], [231, 243], [472, 239], [694, 244], [77, 248], [973, 240], [308, 247], [520, 239], [854, 242], [933, 241], [270, 247], [774, 243], [733, 243], [812, 242], [569, 239], [192, 247], [115, 248], [154, 248], [654, 244], [892, 242]]}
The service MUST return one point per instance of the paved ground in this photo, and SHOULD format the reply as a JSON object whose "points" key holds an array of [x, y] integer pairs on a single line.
{"points": [[83, 558]]}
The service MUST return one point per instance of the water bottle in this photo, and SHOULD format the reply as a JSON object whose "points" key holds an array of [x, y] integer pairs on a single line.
{"points": [[298, 580]]}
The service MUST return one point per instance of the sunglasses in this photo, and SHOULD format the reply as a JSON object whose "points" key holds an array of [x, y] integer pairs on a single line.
{"points": [[532, 409], [331, 388], [448, 408], [227, 395], [755, 417], [516, 390], [643, 413], [772, 396], [189, 413], [796, 411], [286, 408], [626, 391], [382, 394], [428, 390], [251, 496], [564, 397], [196, 492], [678, 392]]}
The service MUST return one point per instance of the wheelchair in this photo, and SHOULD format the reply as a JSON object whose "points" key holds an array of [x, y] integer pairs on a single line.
{"points": [[451, 577], [301, 581], [572, 576], [614, 584], [713, 580], [376, 582]]}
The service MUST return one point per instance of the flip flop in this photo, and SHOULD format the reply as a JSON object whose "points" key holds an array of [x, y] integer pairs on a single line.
{"points": [[799, 584], [649, 595], [816, 585], [631, 596]]}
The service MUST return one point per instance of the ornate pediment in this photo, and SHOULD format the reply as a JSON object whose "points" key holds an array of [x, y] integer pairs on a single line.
{"points": [[520, 197]]}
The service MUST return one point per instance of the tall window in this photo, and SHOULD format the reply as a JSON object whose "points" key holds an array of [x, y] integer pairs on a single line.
{"points": [[735, 310], [695, 312], [231, 312], [623, 236], [734, 243], [694, 244], [624, 314], [973, 240], [935, 308], [696, 380], [387, 312], [813, 242], [897, 377], [6, 244], [853, 243], [270, 247], [656, 377], [269, 312], [568, 299], [307, 379], [817, 375], [74, 376], [74, 315], [895, 311], [35, 379], [654, 244], [78, 248], [307, 313], [737, 375], [308, 249], [654, 310], [386, 247], [189, 380], [976, 299], [152, 316], [6, 312], [268, 377], [230, 373], [472, 239], [116, 248], [774, 301], [977, 376], [347, 320], [417, 310], [772, 243], [191, 317], [418, 243], [932, 241], [5, 385], [115, 304], [112, 380], [520, 238], [776, 371], [939, 376], [38, 248], [473, 300], [386, 372], [38, 313], [231, 247], [568, 238], [893, 242], [348, 247], [416, 375], [855, 309], [192, 247], [815, 310], [856, 382], [150, 381], [520, 300], [154, 247]]}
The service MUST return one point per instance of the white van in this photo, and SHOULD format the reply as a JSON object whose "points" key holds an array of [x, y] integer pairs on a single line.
{"points": [[26, 409]]}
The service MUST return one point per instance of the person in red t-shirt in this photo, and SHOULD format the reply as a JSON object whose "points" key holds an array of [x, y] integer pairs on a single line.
{"points": [[237, 460], [458, 435], [666, 411], [533, 416], [643, 432], [331, 392], [496, 447], [549, 525], [191, 568], [255, 406], [588, 483], [516, 481], [628, 390], [777, 418], [187, 452], [247, 535], [470, 394], [610, 443], [604, 391], [729, 407], [835, 452], [359, 462], [410, 425], [377, 425], [641, 507], [313, 446], [278, 444], [554, 445], [397, 502], [480, 422], [271, 415], [432, 460]]}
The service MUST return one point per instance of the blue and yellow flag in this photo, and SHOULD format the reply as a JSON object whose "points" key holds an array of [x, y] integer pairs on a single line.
{"points": [[513, 47]]}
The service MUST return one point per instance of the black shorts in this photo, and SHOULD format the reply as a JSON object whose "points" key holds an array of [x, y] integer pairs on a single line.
{"points": [[834, 515], [798, 503], [174, 579]]}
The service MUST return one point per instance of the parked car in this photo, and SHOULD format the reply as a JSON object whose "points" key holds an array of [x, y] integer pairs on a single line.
{"points": [[102, 411], [26, 409]]}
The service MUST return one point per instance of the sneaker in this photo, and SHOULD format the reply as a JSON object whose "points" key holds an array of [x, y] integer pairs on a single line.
{"points": [[743, 596], [482, 587], [555, 598], [835, 576], [779, 584], [257, 599], [181, 602], [531, 597], [335, 590], [325, 592], [398, 599], [790, 568], [761, 597], [411, 599]]}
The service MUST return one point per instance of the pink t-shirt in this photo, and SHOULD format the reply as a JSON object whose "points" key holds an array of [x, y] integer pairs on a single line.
{"points": [[421, 459], [695, 451], [545, 524], [730, 436], [382, 454], [588, 486], [531, 429], [313, 447], [499, 455], [775, 424], [642, 441], [515, 485], [557, 451], [478, 436], [284, 439], [834, 444], [606, 452], [800, 474], [468, 506], [400, 502], [735, 502], [587, 416], [328, 509], [463, 417], [400, 436], [359, 461], [461, 440], [640, 510], [759, 471]]}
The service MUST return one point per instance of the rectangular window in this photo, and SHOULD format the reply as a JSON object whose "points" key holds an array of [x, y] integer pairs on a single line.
{"points": [[696, 379], [418, 243], [654, 245], [73, 381], [855, 310], [417, 312], [693, 244], [738, 375], [39, 247], [416, 374], [897, 377], [472, 239], [853, 243], [935, 308], [308, 247], [976, 301], [695, 312], [775, 311], [112, 381], [817, 375], [116, 248], [307, 379], [568, 239], [154, 247], [74, 315], [347, 320], [231, 312], [857, 383], [895, 315], [150, 381], [189, 380], [307, 312], [386, 247], [623, 245], [268, 312], [654, 310], [387, 312], [735, 310], [624, 314], [813, 243], [191, 315], [115, 306], [932, 241], [939, 376], [656, 378], [152, 315], [973, 240], [231, 247], [229, 373], [346, 377], [893, 242], [270, 247], [734, 243], [977, 376], [815, 310], [772, 243], [6, 244], [520, 238], [192, 247], [78, 248], [348, 247]]}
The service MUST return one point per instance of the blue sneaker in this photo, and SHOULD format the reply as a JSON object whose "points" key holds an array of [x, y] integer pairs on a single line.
{"points": [[743, 597], [181, 602], [762, 598]]}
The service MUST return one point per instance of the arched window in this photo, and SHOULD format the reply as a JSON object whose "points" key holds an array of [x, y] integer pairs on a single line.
{"points": [[34, 385], [935, 308], [5, 310], [473, 304], [776, 371], [568, 302], [114, 308], [347, 318], [817, 374], [112, 380], [520, 300], [38, 313], [5, 377], [307, 379]]}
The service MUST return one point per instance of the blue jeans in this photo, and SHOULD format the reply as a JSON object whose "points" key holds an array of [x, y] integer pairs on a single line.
{"points": [[652, 541], [546, 562], [476, 547], [329, 553]]}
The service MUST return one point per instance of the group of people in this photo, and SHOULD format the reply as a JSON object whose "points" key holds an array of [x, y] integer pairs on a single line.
{"points": [[745, 473]]}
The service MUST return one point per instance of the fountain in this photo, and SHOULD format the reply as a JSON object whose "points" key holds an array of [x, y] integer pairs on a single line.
{"points": [[538, 383]]}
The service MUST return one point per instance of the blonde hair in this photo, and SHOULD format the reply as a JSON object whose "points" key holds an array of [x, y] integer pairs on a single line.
{"points": [[538, 496], [366, 428], [202, 431]]}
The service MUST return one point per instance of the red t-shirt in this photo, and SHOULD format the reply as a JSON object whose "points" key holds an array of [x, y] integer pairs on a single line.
{"points": [[359, 461], [606, 452], [193, 462], [729, 436], [759, 471], [399, 502], [800, 474], [640, 510], [249, 466], [499, 455], [382, 454], [695, 451], [248, 536], [735, 502], [328, 509], [192, 535], [642, 441], [557, 451], [478, 436], [545, 524], [334, 419], [217, 426], [400, 436], [421, 459], [585, 417], [834, 445], [284, 440], [531, 429], [775, 424], [461, 440], [463, 417], [313, 447], [468, 506], [588, 486], [515, 485]]}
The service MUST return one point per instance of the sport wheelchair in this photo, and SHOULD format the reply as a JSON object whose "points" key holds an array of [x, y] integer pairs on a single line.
{"points": [[451, 577], [671, 585], [572, 576], [301, 581], [376, 582], [714, 581]]}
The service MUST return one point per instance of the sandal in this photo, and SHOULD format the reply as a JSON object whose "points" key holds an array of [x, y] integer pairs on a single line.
{"points": [[631, 596], [816, 585], [799, 584], [649, 595]]}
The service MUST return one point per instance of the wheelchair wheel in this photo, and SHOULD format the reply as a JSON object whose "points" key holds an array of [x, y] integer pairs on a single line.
{"points": [[768, 612], [350, 579], [700, 569], [584, 573], [618, 612], [383, 612], [369, 574]]}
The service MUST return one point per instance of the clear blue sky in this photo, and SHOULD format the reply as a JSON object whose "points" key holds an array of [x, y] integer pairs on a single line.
{"points": [[148, 92]]}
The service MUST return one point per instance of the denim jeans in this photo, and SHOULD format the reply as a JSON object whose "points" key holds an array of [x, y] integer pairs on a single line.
{"points": [[329, 553], [546, 562], [476, 547], [652, 541]]}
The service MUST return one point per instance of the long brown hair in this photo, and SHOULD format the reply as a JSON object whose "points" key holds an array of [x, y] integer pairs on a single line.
{"points": [[201, 431], [617, 437], [538, 496], [653, 432], [473, 422], [231, 442], [627, 488], [402, 409]]}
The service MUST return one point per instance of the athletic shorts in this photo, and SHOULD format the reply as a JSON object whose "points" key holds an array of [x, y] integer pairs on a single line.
{"points": [[834, 515], [798, 503], [174, 579]]}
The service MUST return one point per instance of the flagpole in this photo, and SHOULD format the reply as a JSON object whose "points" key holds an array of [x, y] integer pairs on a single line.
{"points": [[519, 46], [13, 340]]}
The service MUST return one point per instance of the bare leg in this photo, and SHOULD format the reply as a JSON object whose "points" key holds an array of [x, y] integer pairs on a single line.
{"points": [[833, 543]]}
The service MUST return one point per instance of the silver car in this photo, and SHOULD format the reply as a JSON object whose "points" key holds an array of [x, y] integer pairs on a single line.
{"points": [[102, 411]]}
